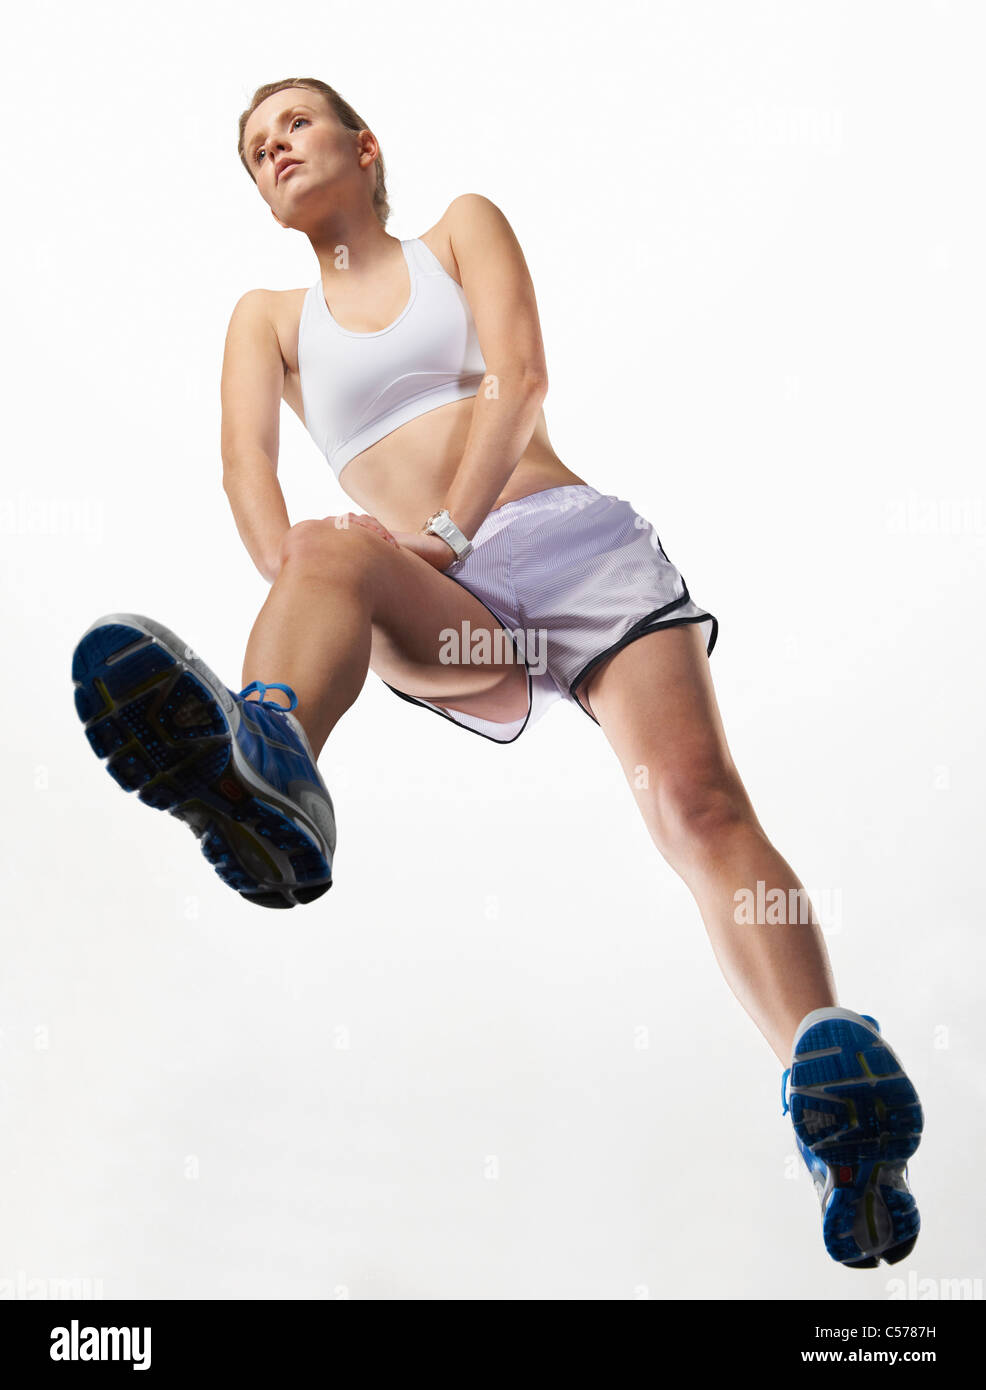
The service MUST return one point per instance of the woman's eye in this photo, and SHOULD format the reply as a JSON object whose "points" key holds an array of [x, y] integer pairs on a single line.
{"points": [[293, 124]]}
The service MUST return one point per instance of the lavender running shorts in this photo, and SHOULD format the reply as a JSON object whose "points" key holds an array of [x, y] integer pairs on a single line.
{"points": [[573, 575]]}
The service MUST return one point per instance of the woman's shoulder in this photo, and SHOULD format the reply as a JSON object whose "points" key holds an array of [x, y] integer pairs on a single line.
{"points": [[259, 312], [282, 309], [468, 217], [438, 237]]}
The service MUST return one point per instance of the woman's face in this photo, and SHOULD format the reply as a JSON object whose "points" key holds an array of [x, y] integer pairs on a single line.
{"points": [[301, 155]]}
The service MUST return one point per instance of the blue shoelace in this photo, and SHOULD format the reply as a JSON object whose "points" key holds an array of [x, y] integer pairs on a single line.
{"points": [[263, 688]]}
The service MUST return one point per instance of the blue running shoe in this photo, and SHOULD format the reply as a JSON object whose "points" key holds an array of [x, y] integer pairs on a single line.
{"points": [[857, 1120], [240, 773]]}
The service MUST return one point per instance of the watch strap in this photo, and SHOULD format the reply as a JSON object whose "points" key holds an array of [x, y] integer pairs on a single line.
{"points": [[441, 524]]}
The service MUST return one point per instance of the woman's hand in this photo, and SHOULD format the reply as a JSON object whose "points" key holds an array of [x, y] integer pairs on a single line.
{"points": [[430, 548], [370, 523]]}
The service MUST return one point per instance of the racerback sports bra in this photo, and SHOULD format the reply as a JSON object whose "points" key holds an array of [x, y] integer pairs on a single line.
{"points": [[357, 387]]}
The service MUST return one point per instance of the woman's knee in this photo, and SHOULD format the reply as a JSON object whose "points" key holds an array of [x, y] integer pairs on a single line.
{"points": [[691, 812], [328, 548]]}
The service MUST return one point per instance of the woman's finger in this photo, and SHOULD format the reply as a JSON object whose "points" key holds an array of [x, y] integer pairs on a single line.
{"points": [[370, 523]]}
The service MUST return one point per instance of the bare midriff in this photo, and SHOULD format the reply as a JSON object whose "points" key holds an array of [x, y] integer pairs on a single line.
{"points": [[404, 477]]}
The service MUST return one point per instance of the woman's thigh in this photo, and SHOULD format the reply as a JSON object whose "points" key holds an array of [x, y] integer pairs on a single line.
{"points": [[656, 704], [432, 638]]}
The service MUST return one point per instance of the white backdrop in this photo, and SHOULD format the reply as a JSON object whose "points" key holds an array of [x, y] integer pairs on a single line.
{"points": [[498, 1060]]}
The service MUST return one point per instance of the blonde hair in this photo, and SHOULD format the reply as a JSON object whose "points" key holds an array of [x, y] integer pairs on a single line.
{"points": [[347, 117]]}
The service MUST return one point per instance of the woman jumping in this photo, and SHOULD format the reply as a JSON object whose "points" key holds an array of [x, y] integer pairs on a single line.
{"points": [[485, 581]]}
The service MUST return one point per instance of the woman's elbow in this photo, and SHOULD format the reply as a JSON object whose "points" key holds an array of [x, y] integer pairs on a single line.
{"points": [[526, 381]]}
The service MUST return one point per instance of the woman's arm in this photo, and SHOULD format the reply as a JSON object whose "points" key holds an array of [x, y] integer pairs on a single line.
{"points": [[251, 390], [498, 287]]}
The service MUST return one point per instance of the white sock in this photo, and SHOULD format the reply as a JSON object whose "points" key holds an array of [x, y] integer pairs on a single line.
{"points": [[832, 1011]]}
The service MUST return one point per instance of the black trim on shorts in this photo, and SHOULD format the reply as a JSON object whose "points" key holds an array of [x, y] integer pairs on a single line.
{"points": [[413, 699], [641, 628]]}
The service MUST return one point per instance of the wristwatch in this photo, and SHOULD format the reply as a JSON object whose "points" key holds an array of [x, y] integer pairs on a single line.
{"points": [[441, 524]]}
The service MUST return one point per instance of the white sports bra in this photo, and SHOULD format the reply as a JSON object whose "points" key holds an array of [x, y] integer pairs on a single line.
{"points": [[357, 387]]}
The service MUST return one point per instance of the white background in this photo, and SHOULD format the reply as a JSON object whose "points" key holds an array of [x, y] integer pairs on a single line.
{"points": [[756, 236]]}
